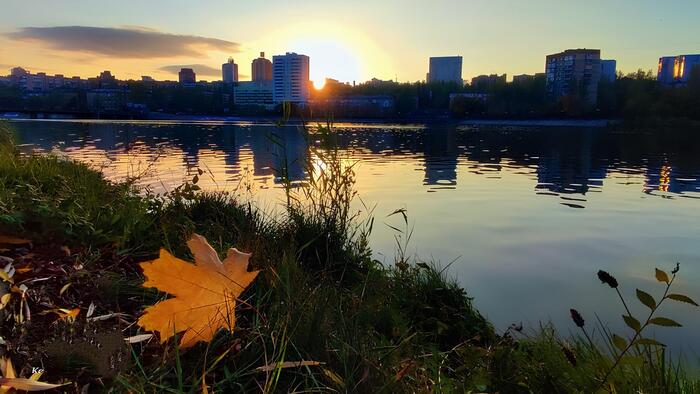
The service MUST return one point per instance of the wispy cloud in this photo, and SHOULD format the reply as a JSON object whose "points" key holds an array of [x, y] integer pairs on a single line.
{"points": [[122, 42], [199, 69]]}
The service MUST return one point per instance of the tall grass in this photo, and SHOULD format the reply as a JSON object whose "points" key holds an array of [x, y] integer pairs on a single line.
{"points": [[320, 298]]}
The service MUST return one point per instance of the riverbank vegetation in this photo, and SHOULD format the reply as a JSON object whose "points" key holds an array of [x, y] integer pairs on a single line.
{"points": [[320, 316]]}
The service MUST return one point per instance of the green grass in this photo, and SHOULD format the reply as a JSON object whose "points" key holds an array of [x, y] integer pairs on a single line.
{"points": [[320, 297]]}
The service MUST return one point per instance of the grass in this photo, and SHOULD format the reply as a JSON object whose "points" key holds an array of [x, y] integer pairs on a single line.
{"points": [[320, 297]]}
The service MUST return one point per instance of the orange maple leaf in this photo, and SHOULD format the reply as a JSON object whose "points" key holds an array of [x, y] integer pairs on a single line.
{"points": [[205, 293]]}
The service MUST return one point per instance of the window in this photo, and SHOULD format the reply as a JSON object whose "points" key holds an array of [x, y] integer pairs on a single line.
{"points": [[679, 67]]}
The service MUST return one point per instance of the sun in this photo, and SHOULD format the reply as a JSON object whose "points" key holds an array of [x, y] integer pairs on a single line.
{"points": [[319, 83], [335, 51]]}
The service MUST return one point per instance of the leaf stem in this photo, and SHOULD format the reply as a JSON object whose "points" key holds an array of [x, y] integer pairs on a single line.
{"points": [[623, 302]]}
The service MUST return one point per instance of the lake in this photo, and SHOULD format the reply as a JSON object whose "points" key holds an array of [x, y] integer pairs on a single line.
{"points": [[524, 217]]}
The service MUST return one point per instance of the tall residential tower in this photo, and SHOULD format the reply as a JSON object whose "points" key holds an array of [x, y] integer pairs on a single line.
{"points": [[187, 76], [229, 71], [445, 69], [290, 76], [262, 69], [574, 72]]}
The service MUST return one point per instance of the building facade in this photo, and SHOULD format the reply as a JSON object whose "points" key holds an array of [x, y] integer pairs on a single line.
{"points": [[525, 78], [261, 69], [187, 76], [290, 78], [445, 69], [229, 71], [574, 72], [253, 93], [488, 82], [608, 70], [676, 70]]}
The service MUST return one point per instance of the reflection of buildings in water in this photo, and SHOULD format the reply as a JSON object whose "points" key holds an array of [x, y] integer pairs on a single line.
{"points": [[231, 146], [570, 168], [263, 157], [566, 160], [279, 151], [440, 157], [664, 178]]}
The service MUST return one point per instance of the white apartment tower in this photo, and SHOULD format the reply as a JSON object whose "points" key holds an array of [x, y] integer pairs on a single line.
{"points": [[229, 71], [290, 78], [445, 69]]}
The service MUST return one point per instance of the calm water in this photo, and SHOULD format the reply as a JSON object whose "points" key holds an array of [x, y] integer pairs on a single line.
{"points": [[527, 215]]}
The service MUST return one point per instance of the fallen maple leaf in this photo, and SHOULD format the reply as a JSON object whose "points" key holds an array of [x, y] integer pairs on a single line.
{"points": [[205, 293]]}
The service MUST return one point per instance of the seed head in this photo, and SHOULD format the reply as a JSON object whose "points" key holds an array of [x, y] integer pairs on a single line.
{"points": [[675, 270], [607, 279], [569, 354], [577, 318]]}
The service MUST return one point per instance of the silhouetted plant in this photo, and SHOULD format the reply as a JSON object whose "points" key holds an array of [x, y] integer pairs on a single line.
{"points": [[622, 347]]}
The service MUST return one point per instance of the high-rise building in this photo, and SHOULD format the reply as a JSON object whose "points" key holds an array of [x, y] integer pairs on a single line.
{"points": [[445, 69], [262, 69], [574, 72], [676, 70], [18, 72], [229, 71], [608, 70], [187, 76], [290, 75]]}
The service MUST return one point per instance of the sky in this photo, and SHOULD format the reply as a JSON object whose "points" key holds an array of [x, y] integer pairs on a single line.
{"points": [[346, 40]]}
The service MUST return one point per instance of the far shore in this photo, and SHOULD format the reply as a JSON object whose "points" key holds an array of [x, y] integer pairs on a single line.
{"points": [[268, 120], [541, 122]]}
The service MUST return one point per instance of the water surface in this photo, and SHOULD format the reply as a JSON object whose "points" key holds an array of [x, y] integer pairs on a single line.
{"points": [[526, 215]]}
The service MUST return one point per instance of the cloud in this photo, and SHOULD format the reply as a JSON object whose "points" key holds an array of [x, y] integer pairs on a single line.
{"points": [[199, 69], [135, 42]]}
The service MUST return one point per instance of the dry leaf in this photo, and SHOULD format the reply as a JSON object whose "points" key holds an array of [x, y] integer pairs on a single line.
{"points": [[5, 276], [64, 314], [26, 384], [91, 310], [106, 317], [64, 288], [5, 299], [204, 293], [138, 338], [287, 364], [9, 382], [10, 240]]}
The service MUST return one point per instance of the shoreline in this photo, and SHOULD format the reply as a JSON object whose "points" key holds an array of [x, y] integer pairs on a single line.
{"points": [[269, 120], [597, 123]]}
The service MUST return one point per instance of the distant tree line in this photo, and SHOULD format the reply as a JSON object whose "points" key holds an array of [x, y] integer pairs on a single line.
{"points": [[170, 98], [636, 97]]}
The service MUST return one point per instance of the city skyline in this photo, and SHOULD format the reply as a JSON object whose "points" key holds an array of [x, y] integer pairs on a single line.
{"points": [[157, 39]]}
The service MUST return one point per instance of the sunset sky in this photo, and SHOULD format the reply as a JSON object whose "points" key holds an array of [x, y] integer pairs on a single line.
{"points": [[346, 40]]}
